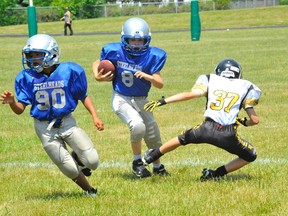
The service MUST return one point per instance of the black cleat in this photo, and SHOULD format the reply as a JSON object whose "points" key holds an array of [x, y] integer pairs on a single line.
{"points": [[161, 171], [92, 193], [208, 174], [139, 169]]}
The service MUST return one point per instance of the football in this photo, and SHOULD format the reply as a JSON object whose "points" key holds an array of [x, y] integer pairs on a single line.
{"points": [[107, 66]]}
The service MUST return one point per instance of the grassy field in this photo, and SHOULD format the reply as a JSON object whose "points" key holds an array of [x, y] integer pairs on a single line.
{"points": [[32, 185]]}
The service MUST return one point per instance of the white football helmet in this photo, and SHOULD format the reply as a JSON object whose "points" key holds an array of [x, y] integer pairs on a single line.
{"points": [[135, 28], [47, 46]]}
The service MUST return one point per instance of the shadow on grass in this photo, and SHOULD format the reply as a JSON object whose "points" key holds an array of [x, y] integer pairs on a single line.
{"points": [[237, 177], [132, 177], [233, 177], [56, 195], [129, 176], [229, 177]]}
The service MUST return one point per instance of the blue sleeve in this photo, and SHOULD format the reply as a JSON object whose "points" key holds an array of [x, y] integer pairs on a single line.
{"points": [[111, 51], [103, 53], [79, 82], [22, 86], [159, 57]]}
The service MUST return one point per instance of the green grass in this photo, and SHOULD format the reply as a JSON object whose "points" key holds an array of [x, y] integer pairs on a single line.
{"points": [[32, 185]]}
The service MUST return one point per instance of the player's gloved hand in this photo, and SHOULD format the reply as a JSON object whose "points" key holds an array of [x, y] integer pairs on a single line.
{"points": [[242, 121], [151, 105]]}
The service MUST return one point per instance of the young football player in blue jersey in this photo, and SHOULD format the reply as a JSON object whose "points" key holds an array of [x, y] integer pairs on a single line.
{"points": [[138, 68], [226, 94], [53, 90]]}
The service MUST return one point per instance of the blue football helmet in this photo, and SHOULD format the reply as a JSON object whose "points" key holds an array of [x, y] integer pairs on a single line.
{"points": [[44, 44], [229, 68], [135, 28]]}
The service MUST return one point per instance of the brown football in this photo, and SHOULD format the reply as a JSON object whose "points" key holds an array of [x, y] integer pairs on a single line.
{"points": [[107, 66]]}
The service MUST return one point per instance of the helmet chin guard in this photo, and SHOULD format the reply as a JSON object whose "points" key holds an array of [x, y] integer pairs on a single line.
{"points": [[44, 44], [136, 28]]}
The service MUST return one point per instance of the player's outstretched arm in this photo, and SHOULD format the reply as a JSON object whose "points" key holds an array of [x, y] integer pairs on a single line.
{"points": [[7, 97], [151, 105], [88, 103], [183, 96]]}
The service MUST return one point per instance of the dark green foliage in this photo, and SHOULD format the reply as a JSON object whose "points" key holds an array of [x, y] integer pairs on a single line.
{"points": [[283, 2], [222, 4], [5, 18]]}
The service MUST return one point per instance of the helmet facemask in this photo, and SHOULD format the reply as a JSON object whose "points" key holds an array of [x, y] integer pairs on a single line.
{"points": [[44, 44], [47, 60]]}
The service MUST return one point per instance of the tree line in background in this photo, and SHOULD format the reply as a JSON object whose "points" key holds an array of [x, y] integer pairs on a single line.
{"points": [[13, 12]]}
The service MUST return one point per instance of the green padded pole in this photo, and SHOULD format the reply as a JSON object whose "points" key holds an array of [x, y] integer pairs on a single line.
{"points": [[32, 22], [195, 21]]}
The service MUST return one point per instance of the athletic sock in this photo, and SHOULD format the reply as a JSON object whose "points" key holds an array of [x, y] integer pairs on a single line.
{"points": [[220, 171], [137, 157], [156, 166]]}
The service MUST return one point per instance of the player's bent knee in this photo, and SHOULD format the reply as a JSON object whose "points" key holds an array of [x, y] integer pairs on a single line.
{"points": [[93, 162], [137, 131], [91, 159], [251, 157]]}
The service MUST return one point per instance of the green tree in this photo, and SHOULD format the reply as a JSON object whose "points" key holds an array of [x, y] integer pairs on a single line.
{"points": [[84, 8], [41, 3], [37, 3], [5, 17]]}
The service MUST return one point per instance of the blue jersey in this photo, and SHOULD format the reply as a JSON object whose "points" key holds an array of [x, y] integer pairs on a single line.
{"points": [[54, 96], [125, 82]]}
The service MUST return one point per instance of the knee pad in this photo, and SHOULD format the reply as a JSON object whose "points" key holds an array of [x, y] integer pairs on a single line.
{"points": [[251, 156], [90, 158], [137, 131]]}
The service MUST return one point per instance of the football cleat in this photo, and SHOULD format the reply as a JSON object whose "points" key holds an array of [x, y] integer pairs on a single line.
{"points": [[208, 174], [92, 193], [85, 170], [161, 171], [139, 169]]}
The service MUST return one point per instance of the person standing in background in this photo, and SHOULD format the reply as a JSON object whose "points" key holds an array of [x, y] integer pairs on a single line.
{"points": [[68, 21]]}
